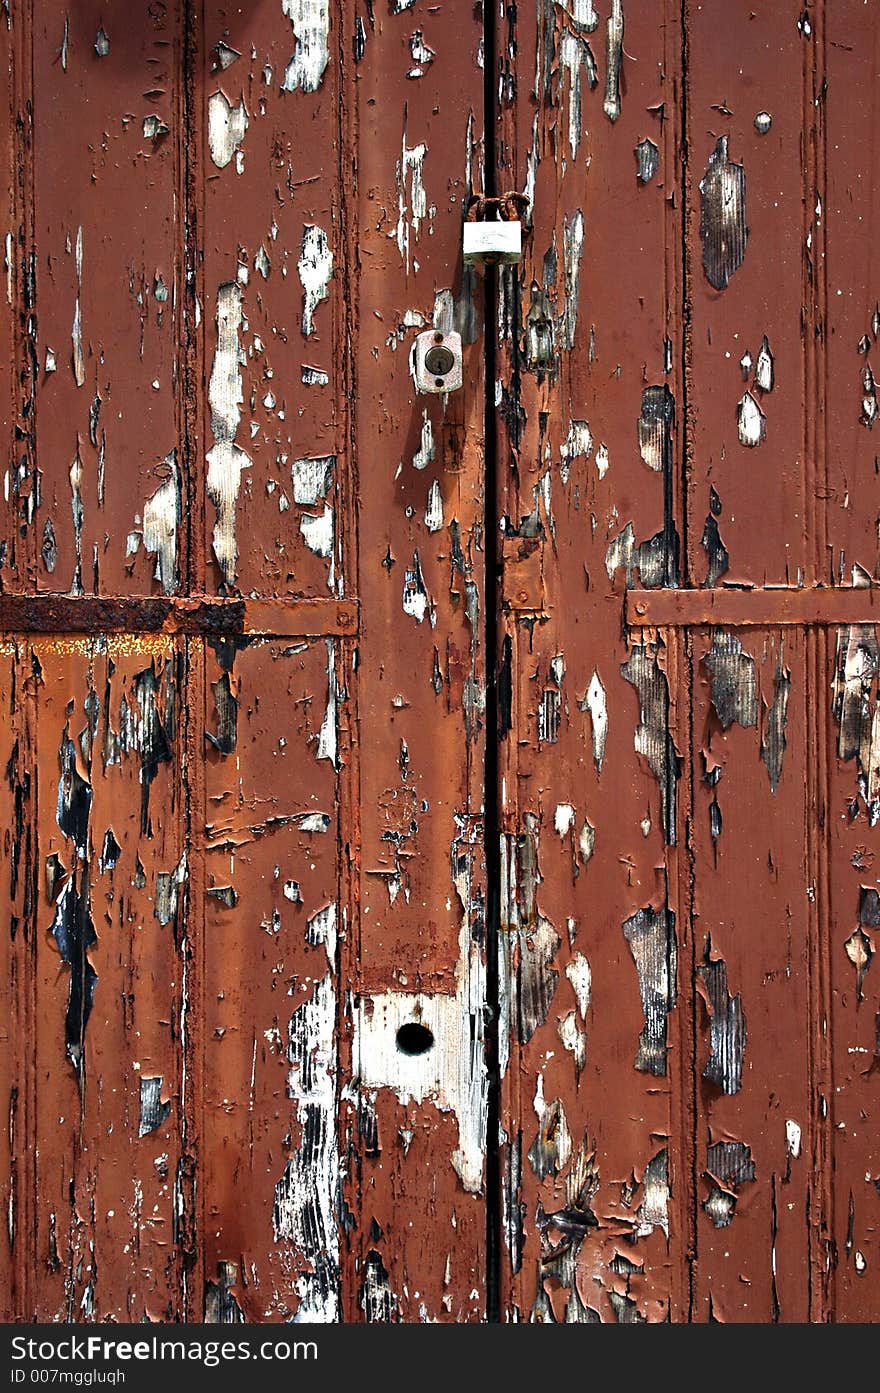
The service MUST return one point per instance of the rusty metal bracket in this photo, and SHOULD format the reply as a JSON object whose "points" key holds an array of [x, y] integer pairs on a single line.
{"points": [[757, 607], [523, 575], [201, 615]]}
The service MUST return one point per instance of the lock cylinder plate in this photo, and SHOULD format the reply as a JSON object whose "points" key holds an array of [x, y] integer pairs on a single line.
{"points": [[435, 362]]}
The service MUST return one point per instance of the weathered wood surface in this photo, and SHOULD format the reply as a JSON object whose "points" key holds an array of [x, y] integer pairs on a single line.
{"points": [[537, 721]]}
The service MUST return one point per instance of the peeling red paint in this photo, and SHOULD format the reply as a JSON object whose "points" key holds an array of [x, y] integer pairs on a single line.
{"points": [[369, 956]]}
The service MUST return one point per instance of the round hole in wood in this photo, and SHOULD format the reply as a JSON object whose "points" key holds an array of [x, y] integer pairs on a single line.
{"points": [[414, 1038]]}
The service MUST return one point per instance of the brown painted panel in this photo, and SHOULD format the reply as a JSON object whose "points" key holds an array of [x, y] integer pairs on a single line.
{"points": [[418, 942], [17, 1081], [588, 477], [316, 1004], [268, 161], [108, 286], [751, 988], [268, 1171], [848, 432], [747, 186], [110, 883], [850, 894]]}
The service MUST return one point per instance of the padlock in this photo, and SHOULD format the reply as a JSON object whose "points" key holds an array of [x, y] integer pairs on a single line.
{"points": [[435, 362], [493, 230], [492, 243]]}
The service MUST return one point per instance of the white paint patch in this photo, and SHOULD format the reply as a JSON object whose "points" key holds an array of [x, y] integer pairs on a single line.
{"points": [[579, 975], [613, 60], [751, 423], [793, 1138], [415, 596], [764, 367], [573, 1039], [315, 268], [327, 738], [412, 207], [595, 703], [654, 1209], [226, 459], [425, 453], [313, 377], [306, 1195], [583, 13], [321, 931], [533, 159], [312, 478], [563, 820], [579, 442], [161, 521], [227, 125], [572, 246], [422, 55], [434, 508], [311, 26], [602, 461], [587, 841], [451, 1074], [317, 531], [561, 1134], [574, 55], [79, 367]]}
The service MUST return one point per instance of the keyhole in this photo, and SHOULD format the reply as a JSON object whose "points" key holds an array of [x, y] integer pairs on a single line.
{"points": [[414, 1038], [439, 360]]}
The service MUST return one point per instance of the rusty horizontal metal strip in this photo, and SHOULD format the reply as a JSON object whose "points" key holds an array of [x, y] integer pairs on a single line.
{"points": [[760, 607], [197, 615]]}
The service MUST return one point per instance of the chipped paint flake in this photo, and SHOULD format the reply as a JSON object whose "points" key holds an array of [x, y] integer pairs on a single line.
{"points": [[723, 230], [751, 423], [727, 1024], [575, 58], [328, 736], [647, 161], [79, 367], [306, 1195], [578, 972], [773, 740], [595, 702], [650, 934], [161, 523], [792, 1138], [310, 20], [412, 203], [415, 596], [764, 369], [317, 532], [653, 738], [551, 1149], [434, 508], [734, 681], [573, 246], [227, 125], [312, 478], [315, 268], [226, 459], [614, 60]]}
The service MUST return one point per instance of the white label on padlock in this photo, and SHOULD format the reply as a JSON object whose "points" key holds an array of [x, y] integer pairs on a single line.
{"points": [[492, 242]]}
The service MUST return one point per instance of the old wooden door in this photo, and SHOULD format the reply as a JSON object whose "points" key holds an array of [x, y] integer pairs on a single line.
{"points": [[438, 829]]}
